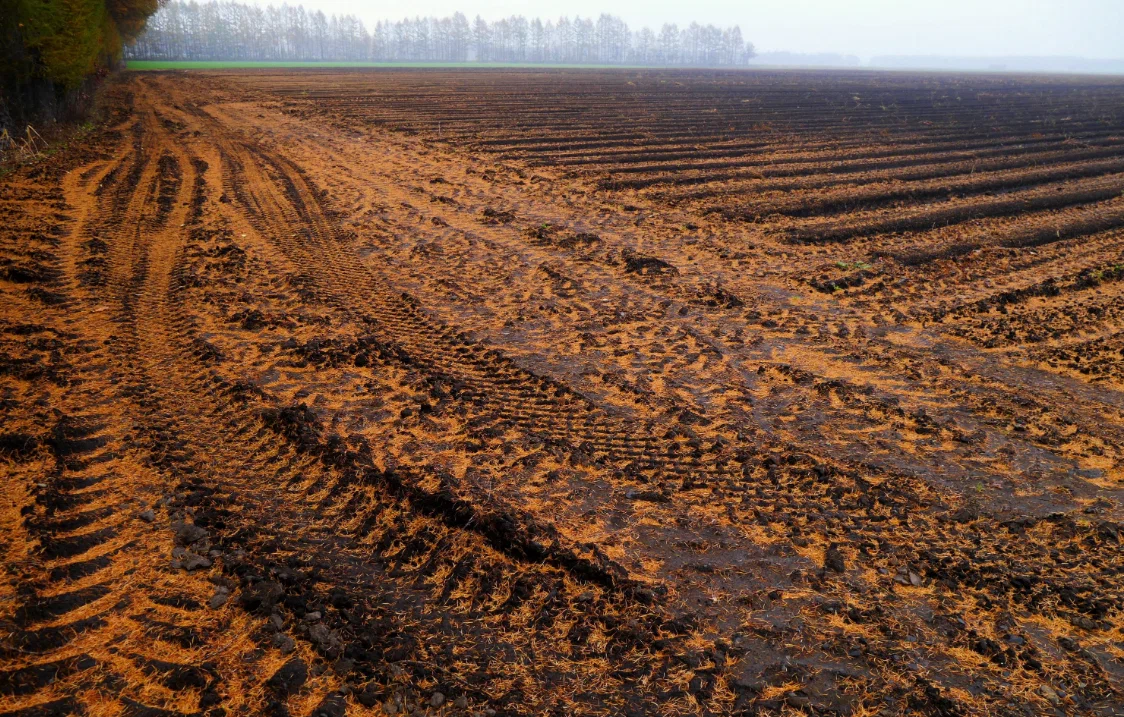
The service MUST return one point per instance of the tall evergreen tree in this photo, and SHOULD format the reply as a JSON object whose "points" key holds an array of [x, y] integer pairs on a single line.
{"points": [[48, 48]]}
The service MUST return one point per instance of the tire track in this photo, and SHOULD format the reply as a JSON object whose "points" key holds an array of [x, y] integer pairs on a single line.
{"points": [[78, 591], [536, 404], [237, 446]]}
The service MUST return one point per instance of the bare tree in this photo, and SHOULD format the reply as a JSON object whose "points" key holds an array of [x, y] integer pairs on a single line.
{"points": [[227, 30]]}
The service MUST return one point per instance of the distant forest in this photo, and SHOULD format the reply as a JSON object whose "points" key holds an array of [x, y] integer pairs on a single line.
{"points": [[233, 31]]}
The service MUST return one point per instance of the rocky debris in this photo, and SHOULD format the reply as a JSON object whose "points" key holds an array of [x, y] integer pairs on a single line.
{"points": [[651, 496], [297, 422], [343, 666], [334, 705], [262, 596], [289, 678], [220, 598], [638, 264], [191, 561], [188, 533], [184, 559], [326, 641], [147, 516], [284, 643], [834, 560], [966, 514], [497, 216], [718, 298], [370, 696], [1050, 694], [909, 577]]}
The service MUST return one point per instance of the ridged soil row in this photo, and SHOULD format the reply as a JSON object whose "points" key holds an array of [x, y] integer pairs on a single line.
{"points": [[853, 166], [983, 288], [1004, 161], [836, 153], [881, 194], [955, 269], [1084, 192]]}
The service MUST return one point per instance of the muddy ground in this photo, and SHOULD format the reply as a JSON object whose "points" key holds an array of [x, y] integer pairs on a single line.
{"points": [[548, 392]]}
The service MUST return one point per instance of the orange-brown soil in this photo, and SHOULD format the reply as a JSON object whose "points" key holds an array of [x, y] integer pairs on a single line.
{"points": [[530, 393]]}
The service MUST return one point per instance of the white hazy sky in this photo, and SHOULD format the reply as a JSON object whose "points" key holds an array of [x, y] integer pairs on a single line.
{"points": [[1088, 28]]}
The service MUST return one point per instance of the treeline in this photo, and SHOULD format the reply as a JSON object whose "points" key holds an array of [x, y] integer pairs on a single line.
{"points": [[50, 48], [233, 31]]}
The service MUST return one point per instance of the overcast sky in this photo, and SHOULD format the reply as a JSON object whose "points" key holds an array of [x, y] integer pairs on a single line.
{"points": [[1088, 28]]}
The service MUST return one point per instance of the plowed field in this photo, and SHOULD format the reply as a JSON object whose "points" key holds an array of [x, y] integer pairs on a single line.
{"points": [[567, 393]]}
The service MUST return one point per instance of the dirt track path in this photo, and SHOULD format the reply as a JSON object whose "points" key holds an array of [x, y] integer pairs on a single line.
{"points": [[453, 429]]}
